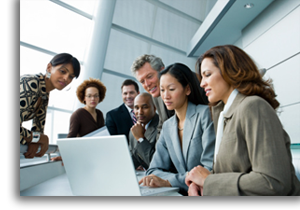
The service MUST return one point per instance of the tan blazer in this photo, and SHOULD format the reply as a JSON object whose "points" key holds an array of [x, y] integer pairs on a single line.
{"points": [[254, 156]]}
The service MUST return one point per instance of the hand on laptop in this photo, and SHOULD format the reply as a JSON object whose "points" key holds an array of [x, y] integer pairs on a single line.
{"points": [[154, 181]]}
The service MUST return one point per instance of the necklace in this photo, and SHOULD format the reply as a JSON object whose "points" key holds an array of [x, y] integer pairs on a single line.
{"points": [[180, 129]]}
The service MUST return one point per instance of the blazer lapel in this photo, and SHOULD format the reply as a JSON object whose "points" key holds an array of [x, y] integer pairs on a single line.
{"points": [[189, 127], [228, 115], [125, 116], [173, 131], [152, 127]]}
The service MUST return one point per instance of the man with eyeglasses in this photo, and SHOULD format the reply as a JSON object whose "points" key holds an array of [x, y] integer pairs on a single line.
{"points": [[121, 119]]}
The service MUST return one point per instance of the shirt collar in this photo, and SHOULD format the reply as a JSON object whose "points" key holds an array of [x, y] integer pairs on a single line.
{"points": [[147, 125], [128, 108]]}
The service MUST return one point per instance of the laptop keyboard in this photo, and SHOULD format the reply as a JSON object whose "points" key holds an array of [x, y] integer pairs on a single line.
{"points": [[147, 191]]}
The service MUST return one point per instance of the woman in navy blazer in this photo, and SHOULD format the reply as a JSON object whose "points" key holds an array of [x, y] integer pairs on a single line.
{"points": [[187, 139]]}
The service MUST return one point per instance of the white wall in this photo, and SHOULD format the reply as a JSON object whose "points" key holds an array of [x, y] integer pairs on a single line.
{"points": [[141, 27], [273, 41]]}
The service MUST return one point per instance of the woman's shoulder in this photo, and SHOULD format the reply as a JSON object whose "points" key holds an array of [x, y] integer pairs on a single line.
{"points": [[32, 83], [254, 101], [255, 106], [200, 108], [79, 111], [32, 77]]}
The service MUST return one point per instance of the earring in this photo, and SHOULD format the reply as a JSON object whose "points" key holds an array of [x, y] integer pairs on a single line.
{"points": [[48, 75]]}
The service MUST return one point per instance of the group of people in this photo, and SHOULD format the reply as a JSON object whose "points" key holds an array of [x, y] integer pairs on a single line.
{"points": [[213, 132]]}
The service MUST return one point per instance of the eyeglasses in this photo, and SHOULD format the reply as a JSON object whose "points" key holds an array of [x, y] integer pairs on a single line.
{"points": [[92, 96]]}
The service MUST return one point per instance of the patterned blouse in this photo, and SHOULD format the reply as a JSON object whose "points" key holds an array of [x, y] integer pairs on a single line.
{"points": [[33, 103]]}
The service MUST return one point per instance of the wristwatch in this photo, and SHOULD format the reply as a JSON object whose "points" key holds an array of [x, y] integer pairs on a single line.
{"points": [[35, 137], [140, 140]]}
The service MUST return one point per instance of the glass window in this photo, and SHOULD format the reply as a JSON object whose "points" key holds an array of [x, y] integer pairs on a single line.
{"points": [[83, 5], [53, 27], [32, 61], [61, 122]]}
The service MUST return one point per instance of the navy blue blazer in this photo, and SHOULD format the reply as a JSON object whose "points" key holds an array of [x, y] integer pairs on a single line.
{"points": [[198, 145], [118, 121]]}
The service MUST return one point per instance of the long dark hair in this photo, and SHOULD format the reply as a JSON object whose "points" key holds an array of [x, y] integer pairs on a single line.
{"points": [[185, 77], [65, 58]]}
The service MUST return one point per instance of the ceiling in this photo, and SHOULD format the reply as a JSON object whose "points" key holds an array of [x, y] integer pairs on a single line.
{"points": [[224, 24]]}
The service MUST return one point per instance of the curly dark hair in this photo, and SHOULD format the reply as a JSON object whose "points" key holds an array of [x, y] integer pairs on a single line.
{"points": [[91, 83]]}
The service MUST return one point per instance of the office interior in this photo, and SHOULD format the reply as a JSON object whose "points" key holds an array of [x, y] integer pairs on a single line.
{"points": [[108, 35]]}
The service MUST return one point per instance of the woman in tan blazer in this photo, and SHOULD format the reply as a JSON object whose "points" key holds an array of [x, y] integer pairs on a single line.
{"points": [[252, 152]]}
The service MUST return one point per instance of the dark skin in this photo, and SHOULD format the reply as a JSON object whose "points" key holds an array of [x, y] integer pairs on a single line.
{"points": [[33, 147], [61, 76]]}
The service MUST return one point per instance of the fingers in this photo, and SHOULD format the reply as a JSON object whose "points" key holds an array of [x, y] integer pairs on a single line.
{"points": [[137, 131], [148, 181], [141, 181], [154, 181], [44, 149], [197, 175], [29, 155], [31, 150], [58, 158], [187, 180], [194, 190], [44, 143]]}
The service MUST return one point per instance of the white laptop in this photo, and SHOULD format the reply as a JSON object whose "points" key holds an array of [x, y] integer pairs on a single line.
{"points": [[103, 131], [102, 166]]}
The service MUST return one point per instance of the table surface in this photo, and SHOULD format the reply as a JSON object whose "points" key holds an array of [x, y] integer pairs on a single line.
{"points": [[59, 186]]}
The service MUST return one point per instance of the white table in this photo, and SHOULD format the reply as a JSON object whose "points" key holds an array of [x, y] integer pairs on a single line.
{"points": [[59, 186]]}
